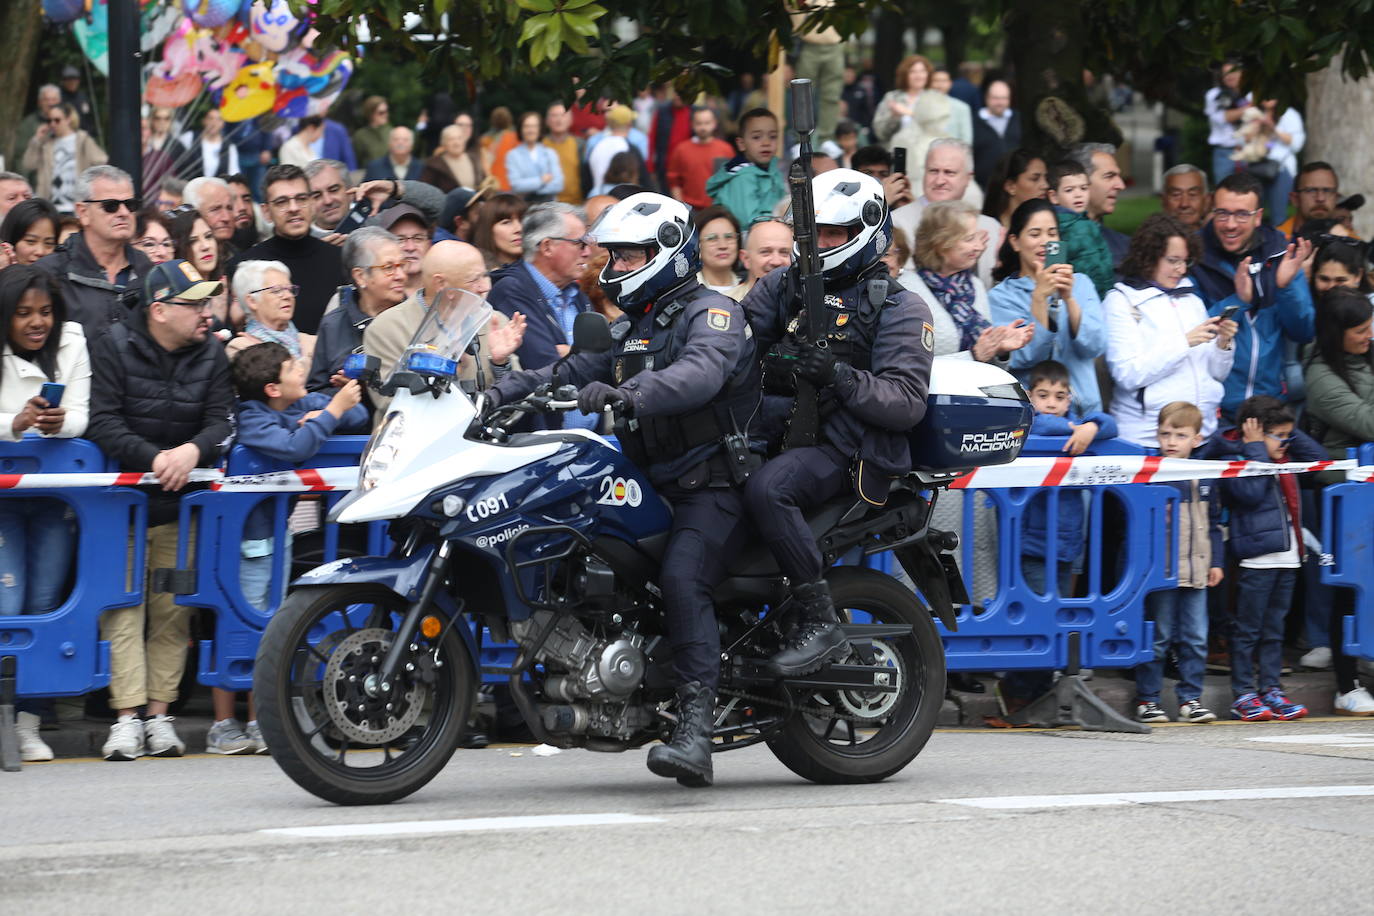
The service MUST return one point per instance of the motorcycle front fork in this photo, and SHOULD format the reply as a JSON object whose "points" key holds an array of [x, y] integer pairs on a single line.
{"points": [[381, 683]]}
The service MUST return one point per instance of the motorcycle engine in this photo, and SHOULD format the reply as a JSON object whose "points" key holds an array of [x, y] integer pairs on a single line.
{"points": [[593, 678]]}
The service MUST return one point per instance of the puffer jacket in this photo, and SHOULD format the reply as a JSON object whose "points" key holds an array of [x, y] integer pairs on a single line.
{"points": [[90, 297], [145, 399], [746, 190], [1344, 411], [1085, 248], [1259, 523], [1196, 531], [1151, 362]]}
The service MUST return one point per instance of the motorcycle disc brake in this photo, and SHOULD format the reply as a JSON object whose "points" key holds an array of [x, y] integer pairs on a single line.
{"points": [[360, 717]]}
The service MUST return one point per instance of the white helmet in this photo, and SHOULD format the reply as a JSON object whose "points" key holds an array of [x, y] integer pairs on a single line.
{"points": [[844, 197], [663, 227]]}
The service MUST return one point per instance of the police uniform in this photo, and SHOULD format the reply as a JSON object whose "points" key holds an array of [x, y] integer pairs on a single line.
{"points": [[686, 369], [883, 340]]}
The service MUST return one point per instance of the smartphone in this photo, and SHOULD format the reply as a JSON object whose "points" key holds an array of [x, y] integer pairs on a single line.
{"points": [[52, 393], [1054, 254], [899, 161], [1229, 312]]}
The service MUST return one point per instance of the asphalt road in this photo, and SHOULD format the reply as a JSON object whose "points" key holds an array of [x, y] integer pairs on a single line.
{"points": [[1226, 818]]}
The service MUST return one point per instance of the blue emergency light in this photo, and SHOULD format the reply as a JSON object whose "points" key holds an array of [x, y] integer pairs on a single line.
{"points": [[432, 364]]}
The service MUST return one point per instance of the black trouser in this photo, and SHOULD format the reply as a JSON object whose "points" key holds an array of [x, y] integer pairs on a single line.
{"points": [[1347, 670], [781, 491], [708, 529]]}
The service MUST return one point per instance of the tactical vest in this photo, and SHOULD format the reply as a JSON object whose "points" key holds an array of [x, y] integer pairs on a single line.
{"points": [[851, 321], [646, 345]]}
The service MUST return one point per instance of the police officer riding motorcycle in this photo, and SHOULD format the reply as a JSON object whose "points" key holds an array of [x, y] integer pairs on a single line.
{"points": [[838, 408], [680, 379]]}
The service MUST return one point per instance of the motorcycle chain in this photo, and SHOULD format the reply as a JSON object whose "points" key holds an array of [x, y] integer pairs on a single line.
{"points": [[809, 710]]}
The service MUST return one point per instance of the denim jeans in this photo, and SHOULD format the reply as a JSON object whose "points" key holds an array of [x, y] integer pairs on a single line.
{"points": [[1180, 617], [255, 572], [37, 542], [1262, 600], [1222, 164]]}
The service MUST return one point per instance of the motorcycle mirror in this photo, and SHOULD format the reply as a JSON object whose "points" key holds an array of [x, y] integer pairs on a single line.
{"points": [[591, 333]]}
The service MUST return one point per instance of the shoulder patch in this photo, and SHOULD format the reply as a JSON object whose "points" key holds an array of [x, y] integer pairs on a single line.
{"points": [[718, 319], [928, 336]]}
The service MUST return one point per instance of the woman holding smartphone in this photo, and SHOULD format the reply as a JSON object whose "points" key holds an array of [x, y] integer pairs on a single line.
{"points": [[1061, 304], [37, 535]]}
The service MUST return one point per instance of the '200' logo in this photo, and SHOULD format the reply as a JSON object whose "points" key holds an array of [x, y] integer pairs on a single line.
{"points": [[617, 491]]}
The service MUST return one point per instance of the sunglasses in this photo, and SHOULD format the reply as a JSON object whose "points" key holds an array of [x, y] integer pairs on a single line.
{"points": [[54, 120], [111, 205], [1283, 442]]}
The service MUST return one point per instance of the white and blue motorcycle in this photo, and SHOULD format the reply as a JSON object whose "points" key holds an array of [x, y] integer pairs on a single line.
{"points": [[366, 676]]}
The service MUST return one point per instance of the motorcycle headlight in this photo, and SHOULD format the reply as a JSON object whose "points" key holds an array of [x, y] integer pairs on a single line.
{"points": [[381, 451]]}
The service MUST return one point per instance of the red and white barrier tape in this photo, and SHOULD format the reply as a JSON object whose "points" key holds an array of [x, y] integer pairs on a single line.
{"points": [[1096, 471], [1083, 471]]}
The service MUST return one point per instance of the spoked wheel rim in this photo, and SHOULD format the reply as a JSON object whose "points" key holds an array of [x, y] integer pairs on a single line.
{"points": [[357, 733], [862, 723]]}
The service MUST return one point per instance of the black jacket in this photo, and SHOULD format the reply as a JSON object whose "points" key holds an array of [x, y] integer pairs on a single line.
{"points": [[1259, 519], [514, 290], [145, 399], [340, 336], [90, 297], [316, 267], [989, 146]]}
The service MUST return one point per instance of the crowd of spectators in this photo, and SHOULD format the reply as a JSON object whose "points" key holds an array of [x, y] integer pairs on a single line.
{"points": [[260, 262]]}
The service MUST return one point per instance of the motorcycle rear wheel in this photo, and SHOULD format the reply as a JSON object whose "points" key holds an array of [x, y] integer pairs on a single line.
{"points": [[312, 662], [826, 749]]}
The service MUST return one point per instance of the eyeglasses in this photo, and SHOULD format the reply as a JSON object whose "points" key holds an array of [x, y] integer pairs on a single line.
{"points": [[1318, 192], [291, 290], [1233, 216], [394, 268], [150, 244], [585, 242], [1178, 262], [299, 200], [414, 239], [720, 237], [111, 205], [1283, 442]]}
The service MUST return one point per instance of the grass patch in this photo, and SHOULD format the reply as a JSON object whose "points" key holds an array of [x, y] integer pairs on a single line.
{"points": [[1131, 212]]}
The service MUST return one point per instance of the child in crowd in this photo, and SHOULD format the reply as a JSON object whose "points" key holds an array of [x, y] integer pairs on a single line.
{"points": [[1267, 538], [750, 184], [1050, 395], [279, 419], [1180, 614], [1080, 235]]}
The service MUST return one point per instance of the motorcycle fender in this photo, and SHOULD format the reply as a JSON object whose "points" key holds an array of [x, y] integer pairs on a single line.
{"points": [[403, 575], [940, 582]]}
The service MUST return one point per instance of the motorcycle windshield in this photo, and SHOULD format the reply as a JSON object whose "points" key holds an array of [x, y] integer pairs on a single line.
{"points": [[454, 320]]}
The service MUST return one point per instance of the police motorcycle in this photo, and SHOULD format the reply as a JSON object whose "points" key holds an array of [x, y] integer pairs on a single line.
{"points": [[366, 675]]}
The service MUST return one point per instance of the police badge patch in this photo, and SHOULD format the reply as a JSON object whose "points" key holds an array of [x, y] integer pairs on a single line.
{"points": [[927, 336], [680, 265], [719, 319]]}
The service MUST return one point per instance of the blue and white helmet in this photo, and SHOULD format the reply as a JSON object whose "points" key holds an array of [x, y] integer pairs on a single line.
{"points": [[844, 197], [663, 227]]}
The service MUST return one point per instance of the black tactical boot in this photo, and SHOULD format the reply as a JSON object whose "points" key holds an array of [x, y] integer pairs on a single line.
{"points": [[688, 755], [816, 638]]}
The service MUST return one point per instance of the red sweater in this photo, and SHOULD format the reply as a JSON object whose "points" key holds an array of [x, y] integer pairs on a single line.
{"points": [[691, 163]]}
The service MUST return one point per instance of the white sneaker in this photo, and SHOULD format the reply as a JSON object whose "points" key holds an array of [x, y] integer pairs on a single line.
{"points": [[1357, 702], [1316, 659], [162, 738], [32, 748], [228, 737], [126, 739], [254, 731]]}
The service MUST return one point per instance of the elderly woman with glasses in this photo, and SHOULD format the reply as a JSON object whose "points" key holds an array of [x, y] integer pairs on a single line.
{"points": [[719, 234], [265, 291], [1161, 345]]}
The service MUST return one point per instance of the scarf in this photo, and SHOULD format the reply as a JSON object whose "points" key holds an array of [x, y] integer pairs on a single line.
{"points": [[288, 337], [956, 294]]}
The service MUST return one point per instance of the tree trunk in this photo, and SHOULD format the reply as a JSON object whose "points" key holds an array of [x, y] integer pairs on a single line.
{"points": [[889, 46], [1338, 135], [1046, 42], [21, 22]]}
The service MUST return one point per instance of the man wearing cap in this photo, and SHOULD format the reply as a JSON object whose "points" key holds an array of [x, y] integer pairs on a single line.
{"points": [[315, 265], [161, 401], [412, 230], [98, 271], [73, 95], [399, 161], [455, 222]]}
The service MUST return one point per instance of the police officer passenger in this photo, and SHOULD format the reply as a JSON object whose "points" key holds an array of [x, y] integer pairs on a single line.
{"points": [[681, 373], [845, 424]]}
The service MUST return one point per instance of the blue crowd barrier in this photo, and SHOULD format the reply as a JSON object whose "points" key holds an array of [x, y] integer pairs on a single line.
{"points": [[60, 653], [209, 556], [1348, 534]]}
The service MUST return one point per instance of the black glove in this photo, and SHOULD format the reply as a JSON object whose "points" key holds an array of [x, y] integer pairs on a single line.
{"points": [[493, 398], [594, 397], [817, 366]]}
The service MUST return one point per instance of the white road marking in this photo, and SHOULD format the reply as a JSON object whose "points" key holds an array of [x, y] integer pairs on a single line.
{"points": [[1013, 802], [401, 828], [1361, 740]]}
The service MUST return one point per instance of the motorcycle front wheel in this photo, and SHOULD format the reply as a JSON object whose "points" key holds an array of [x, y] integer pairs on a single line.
{"points": [[332, 736], [853, 736]]}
